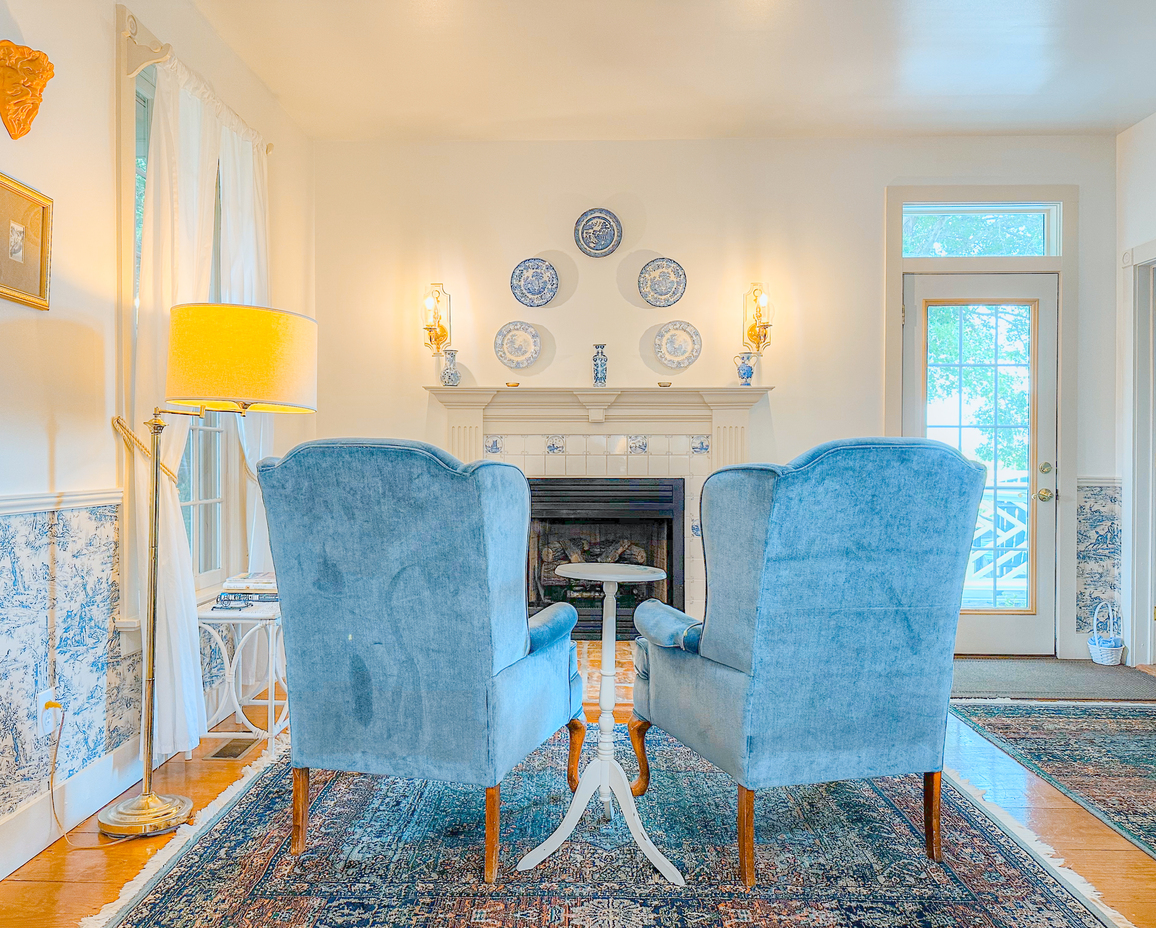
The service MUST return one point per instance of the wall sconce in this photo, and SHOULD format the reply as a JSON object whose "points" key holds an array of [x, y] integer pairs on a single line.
{"points": [[436, 318], [758, 312]]}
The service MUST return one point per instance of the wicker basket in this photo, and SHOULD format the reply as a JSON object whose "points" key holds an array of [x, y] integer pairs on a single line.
{"points": [[1110, 648]]}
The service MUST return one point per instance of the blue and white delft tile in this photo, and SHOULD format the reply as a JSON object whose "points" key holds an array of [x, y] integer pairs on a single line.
{"points": [[696, 528], [638, 444], [1098, 549], [494, 444], [555, 444], [700, 444], [59, 597]]}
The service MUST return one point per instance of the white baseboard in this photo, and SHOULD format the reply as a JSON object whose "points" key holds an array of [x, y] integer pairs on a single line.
{"points": [[31, 828]]}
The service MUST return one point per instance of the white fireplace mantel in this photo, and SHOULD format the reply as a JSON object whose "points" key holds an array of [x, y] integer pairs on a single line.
{"points": [[722, 412]]}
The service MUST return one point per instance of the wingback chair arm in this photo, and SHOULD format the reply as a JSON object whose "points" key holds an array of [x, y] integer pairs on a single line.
{"points": [[667, 627], [552, 624]]}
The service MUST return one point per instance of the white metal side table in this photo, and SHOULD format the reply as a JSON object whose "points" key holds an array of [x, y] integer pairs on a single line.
{"points": [[605, 774], [257, 619]]}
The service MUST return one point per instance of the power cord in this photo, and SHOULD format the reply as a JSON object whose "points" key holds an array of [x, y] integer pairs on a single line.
{"points": [[53, 704]]}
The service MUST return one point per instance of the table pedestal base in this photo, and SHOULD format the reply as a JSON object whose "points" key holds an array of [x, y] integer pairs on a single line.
{"points": [[620, 787], [604, 774]]}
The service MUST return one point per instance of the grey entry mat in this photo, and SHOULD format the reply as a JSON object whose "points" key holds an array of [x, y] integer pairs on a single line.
{"points": [[1049, 678]]}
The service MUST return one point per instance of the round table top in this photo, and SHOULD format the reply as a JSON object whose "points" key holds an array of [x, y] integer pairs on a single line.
{"points": [[620, 573]]}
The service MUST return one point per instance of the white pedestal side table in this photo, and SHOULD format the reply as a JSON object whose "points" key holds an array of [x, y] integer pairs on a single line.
{"points": [[605, 774]]}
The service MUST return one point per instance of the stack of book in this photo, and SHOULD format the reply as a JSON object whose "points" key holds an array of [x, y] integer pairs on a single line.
{"points": [[246, 590]]}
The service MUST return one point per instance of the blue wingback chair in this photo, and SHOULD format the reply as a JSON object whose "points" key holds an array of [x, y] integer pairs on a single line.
{"points": [[402, 575], [834, 587]]}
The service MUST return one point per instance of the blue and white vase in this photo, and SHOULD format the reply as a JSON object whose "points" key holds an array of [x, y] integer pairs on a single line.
{"points": [[451, 376], [745, 363], [599, 366]]}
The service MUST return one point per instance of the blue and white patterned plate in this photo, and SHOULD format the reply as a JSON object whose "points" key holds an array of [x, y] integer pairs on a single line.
{"points": [[534, 282], [597, 233], [678, 344], [517, 344], [662, 282]]}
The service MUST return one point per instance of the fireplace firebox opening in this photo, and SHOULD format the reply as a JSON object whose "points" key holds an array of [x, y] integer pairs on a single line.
{"points": [[629, 520]]}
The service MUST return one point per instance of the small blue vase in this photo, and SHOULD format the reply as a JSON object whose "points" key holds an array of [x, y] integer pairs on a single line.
{"points": [[745, 363], [451, 376], [599, 361]]}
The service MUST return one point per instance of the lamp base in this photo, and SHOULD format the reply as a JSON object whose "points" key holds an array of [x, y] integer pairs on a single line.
{"points": [[146, 814]]}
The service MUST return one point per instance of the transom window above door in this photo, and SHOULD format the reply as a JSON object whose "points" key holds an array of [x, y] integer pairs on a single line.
{"points": [[970, 230]]}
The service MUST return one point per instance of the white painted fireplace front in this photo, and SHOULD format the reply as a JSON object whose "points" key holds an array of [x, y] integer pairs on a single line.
{"points": [[599, 432]]}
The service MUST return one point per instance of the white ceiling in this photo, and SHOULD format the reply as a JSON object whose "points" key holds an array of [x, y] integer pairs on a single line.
{"points": [[666, 69]]}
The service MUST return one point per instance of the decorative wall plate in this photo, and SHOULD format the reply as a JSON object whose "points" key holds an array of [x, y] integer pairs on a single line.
{"points": [[517, 344], [534, 282], [678, 344], [662, 282], [597, 233]]}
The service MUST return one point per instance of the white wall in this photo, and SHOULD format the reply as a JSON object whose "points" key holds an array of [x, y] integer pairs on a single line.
{"points": [[58, 368], [803, 216], [1136, 185]]}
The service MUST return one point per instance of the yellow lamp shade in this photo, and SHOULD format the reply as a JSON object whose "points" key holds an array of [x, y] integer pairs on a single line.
{"points": [[230, 357]]}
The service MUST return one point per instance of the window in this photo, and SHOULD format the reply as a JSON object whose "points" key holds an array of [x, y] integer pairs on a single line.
{"points": [[969, 230], [199, 486], [206, 479], [146, 90]]}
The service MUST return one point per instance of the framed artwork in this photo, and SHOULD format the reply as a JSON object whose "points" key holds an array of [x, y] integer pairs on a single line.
{"points": [[25, 243]]}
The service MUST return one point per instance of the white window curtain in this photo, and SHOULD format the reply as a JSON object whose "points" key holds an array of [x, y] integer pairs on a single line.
{"points": [[244, 278], [176, 267]]}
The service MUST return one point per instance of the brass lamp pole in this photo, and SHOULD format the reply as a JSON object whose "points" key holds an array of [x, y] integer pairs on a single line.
{"points": [[224, 358]]}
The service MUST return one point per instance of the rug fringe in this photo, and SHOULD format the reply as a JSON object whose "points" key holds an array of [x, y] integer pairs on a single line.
{"points": [[1043, 853], [1045, 701], [182, 838]]}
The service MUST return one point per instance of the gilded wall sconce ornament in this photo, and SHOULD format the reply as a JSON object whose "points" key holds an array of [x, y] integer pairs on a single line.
{"points": [[758, 314], [24, 73], [436, 318]]}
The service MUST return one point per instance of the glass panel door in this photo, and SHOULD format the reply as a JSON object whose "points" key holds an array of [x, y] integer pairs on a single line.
{"points": [[979, 375]]}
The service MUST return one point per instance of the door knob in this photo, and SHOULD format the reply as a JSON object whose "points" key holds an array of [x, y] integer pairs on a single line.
{"points": [[1045, 495]]}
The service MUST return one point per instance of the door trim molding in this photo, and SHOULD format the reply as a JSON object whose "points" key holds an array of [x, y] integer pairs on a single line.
{"points": [[1136, 448], [1066, 265]]}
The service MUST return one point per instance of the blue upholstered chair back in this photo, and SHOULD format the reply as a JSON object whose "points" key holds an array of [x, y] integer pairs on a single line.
{"points": [[839, 576], [402, 579]]}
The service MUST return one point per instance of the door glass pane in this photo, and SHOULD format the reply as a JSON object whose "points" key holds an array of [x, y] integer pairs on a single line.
{"points": [[978, 390]]}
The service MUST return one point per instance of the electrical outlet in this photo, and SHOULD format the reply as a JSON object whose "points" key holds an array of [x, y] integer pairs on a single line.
{"points": [[46, 718]]}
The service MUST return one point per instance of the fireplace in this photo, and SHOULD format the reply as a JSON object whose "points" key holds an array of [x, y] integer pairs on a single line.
{"points": [[628, 520]]}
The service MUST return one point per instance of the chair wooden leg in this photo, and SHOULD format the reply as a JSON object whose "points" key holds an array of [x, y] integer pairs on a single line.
{"points": [[300, 809], [746, 829], [637, 728], [931, 829], [493, 817], [577, 729]]}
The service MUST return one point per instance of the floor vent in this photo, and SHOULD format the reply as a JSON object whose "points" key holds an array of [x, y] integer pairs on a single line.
{"points": [[233, 749]]}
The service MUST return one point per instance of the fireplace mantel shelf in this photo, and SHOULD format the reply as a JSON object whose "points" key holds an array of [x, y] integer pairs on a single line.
{"points": [[598, 404], [724, 412]]}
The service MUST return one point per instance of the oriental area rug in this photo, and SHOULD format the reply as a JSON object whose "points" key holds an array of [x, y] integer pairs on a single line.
{"points": [[1101, 755], [391, 852]]}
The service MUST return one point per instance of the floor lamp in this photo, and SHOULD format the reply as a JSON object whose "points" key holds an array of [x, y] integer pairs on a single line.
{"points": [[222, 358]]}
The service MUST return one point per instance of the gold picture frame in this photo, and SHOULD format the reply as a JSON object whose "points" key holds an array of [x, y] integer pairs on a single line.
{"points": [[26, 223]]}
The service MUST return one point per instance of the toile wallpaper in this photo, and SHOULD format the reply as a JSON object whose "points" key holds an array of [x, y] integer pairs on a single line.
{"points": [[59, 597], [1098, 550]]}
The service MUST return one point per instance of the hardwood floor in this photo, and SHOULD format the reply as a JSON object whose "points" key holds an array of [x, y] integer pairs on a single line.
{"points": [[65, 883]]}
